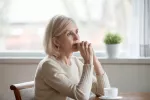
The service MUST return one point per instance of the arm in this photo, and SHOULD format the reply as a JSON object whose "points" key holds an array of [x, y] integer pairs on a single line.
{"points": [[101, 81], [59, 81], [97, 65]]}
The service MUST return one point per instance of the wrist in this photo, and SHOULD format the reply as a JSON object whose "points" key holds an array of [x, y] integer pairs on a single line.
{"points": [[87, 62]]}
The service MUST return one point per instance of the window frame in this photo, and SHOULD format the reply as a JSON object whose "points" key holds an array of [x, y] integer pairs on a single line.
{"points": [[41, 54]]}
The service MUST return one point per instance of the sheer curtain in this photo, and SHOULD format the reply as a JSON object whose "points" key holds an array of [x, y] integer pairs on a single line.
{"points": [[145, 30], [4, 26], [96, 17], [131, 18], [139, 34]]}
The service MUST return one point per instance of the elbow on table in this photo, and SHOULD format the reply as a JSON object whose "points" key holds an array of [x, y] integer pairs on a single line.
{"points": [[81, 95], [99, 93]]}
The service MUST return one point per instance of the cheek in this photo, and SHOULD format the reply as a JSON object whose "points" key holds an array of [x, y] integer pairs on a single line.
{"points": [[79, 38], [66, 43]]}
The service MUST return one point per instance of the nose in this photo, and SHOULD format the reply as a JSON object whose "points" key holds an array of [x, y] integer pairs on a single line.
{"points": [[76, 37]]}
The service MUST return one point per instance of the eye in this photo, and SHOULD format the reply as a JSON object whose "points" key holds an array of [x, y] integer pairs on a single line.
{"points": [[77, 31], [69, 33]]}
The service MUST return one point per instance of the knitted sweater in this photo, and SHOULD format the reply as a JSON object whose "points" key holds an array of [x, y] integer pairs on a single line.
{"points": [[57, 81]]}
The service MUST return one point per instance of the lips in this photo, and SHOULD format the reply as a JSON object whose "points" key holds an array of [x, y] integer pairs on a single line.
{"points": [[75, 44]]}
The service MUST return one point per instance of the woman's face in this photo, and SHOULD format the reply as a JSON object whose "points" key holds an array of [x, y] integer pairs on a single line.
{"points": [[69, 39]]}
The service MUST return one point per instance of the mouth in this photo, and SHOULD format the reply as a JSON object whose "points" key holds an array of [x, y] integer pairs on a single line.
{"points": [[75, 45]]}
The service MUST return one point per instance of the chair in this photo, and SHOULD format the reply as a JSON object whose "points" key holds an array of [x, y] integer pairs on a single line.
{"points": [[23, 91]]}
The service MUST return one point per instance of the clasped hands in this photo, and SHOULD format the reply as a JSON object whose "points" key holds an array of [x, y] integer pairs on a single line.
{"points": [[86, 51]]}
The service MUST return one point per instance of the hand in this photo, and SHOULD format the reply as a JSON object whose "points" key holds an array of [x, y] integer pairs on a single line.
{"points": [[86, 52]]}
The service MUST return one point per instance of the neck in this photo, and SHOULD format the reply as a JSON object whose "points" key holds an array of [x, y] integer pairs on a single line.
{"points": [[65, 58]]}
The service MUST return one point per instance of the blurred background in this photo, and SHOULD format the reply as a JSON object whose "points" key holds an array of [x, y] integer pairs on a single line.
{"points": [[23, 23]]}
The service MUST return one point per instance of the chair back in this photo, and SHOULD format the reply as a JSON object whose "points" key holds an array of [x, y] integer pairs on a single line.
{"points": [[23, 91]]}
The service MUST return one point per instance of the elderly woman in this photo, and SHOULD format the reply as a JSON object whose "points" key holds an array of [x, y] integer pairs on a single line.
{"points": [[61, 76]]}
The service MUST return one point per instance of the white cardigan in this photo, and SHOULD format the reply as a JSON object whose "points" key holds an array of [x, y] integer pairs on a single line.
{"points": [[57, 81]]}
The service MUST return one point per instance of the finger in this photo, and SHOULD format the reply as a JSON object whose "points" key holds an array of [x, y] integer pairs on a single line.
{"points": [[91, 53], [90, 48], [81, 43], [78, 46], [82, 46], [86, 48], [86, 44]]}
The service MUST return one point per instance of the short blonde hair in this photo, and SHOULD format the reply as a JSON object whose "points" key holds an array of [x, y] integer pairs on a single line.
{"points": [[56, 27]]}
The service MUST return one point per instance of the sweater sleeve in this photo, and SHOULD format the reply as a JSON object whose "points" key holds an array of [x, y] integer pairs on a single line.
{"points": [[99, 83], [59, 81]]}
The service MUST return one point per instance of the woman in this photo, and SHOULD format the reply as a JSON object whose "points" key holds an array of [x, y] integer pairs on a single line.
{"points": [[60, 76]]}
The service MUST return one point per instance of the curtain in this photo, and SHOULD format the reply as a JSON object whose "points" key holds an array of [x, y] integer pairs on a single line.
{"points": [[98, 17], [138, 34], [4, 26], [145, 31], [131, 18]]}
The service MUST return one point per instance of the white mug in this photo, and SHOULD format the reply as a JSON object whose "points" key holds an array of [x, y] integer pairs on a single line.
{"points": [[111, 92]]}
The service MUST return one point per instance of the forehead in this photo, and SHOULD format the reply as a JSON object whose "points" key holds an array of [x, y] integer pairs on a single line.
{"points": [[71, 26]]}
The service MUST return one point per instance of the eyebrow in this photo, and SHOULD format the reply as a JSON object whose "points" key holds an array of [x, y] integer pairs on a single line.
{"points": [[70, 30]]}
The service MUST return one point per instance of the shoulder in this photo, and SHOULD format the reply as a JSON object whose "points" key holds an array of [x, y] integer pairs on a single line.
{"points": [[46, 67], [49, 64]]}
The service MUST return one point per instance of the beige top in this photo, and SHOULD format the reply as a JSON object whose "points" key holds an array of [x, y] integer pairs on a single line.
{"points": [[57, 81]]}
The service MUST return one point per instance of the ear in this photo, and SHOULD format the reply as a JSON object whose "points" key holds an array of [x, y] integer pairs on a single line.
{"points": [[55, 42]]}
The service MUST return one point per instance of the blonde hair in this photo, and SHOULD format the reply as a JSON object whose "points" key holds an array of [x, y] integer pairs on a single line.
{"points": [[56, 27]]}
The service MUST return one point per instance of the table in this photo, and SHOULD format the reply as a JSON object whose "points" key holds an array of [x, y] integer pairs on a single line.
{"points": [[132, 96]]}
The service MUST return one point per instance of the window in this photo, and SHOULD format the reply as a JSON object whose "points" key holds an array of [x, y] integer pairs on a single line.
{"points": [[24, 21]]}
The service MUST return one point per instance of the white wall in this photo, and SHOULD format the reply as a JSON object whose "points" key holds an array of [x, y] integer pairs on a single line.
{"points": [[130, 77]]}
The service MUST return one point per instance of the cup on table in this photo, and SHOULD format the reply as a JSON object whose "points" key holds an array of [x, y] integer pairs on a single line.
{"points": [[111, 92]]}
